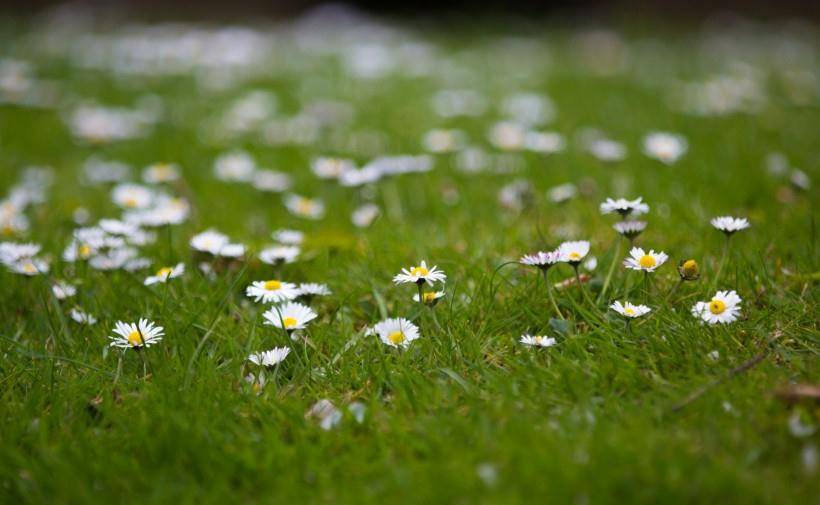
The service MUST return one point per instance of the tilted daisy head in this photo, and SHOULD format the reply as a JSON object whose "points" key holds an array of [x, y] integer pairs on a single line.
{"points": [[665, 147], [270, 358], [573, 252], [279, 254], [313, 289], [537, 340], [165, 273], [541, 259], [271, 291], [290, 316], [420, 274], [723, 308], [630, 229], [624, 207], [136, 335], [396, 332], [729, 224], [647, 261], [627, 309], [430, 298]]}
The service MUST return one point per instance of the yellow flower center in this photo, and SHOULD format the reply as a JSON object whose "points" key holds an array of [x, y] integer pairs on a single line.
{"points": [[256, 388], [717, 306], [574, 256], [419, 271], [84, 250], [647, 261], [273, 285], [396, 337], [29, 268], [690, 267], [429, 297], [164, 272], [135, 339], [629, 311], [305, 206], [289, 322], [538, 339], [130, 202]]}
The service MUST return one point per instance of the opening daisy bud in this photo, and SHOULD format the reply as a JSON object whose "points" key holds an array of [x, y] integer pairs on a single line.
{"points": [[689, 270]]}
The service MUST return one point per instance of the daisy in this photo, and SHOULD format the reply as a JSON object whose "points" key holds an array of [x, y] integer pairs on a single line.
{"points": [[271, 181], [136, 335], [313, 289], [272, 291], [665, 147], [63, 290], [11, 252], [290, 316], [730, 225], [562, 192], [624, 207], [541, 259], [160, 172], [288, 237], [688, 270], [647, 261], [573, 252], [256, 382], [430, 298], [270, 358], [607, 150], [304, 207], [629, 310], [420, 275], [630, 229], [165, 273], [723, 308], [132, 196], [82, 317], [364, 215], [277, 255], [537, 340], [443, 141], [29, 266], [235, 166], [331, 168], [209, 241], [396, 332]]}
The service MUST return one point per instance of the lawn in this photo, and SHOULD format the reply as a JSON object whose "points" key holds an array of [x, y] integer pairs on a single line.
{"points": [[120, 144]]}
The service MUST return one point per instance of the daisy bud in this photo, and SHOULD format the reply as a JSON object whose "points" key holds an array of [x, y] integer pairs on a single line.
{"points": [[688, 270]]}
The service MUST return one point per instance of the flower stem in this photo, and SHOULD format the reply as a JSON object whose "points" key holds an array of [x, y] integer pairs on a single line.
{"points": [[611, 270], [551, 296], [722, 261]]}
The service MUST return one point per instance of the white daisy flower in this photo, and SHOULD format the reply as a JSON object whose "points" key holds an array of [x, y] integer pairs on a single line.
{"points": [[233, 251], [331, 168], [290, 316], [276, 255], [364, 215], [544, 142], [288, 237], [165, 273], [730, 225], [256, 382], [82, 317], [304, 207], [29, 266], [132, 196], [160, 172], [272, 291], [591, 263], [627, 309], [420, 274], [647, 261], [270, 358], [607, 150], [723, 308], [63, 290], [562, 192], [537, 340], [630, 229], [396, 332], [665, 147], [271, 181], [313, 289], [11, 252], [209, 241], [235, 166], [573, 252], [507, 136], [136, 335], [443, 141], [430, 298], [624, 207], [541, 259]]}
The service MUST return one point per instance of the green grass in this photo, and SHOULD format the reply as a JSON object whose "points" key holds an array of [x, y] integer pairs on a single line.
{"points": [[466, 414]]}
